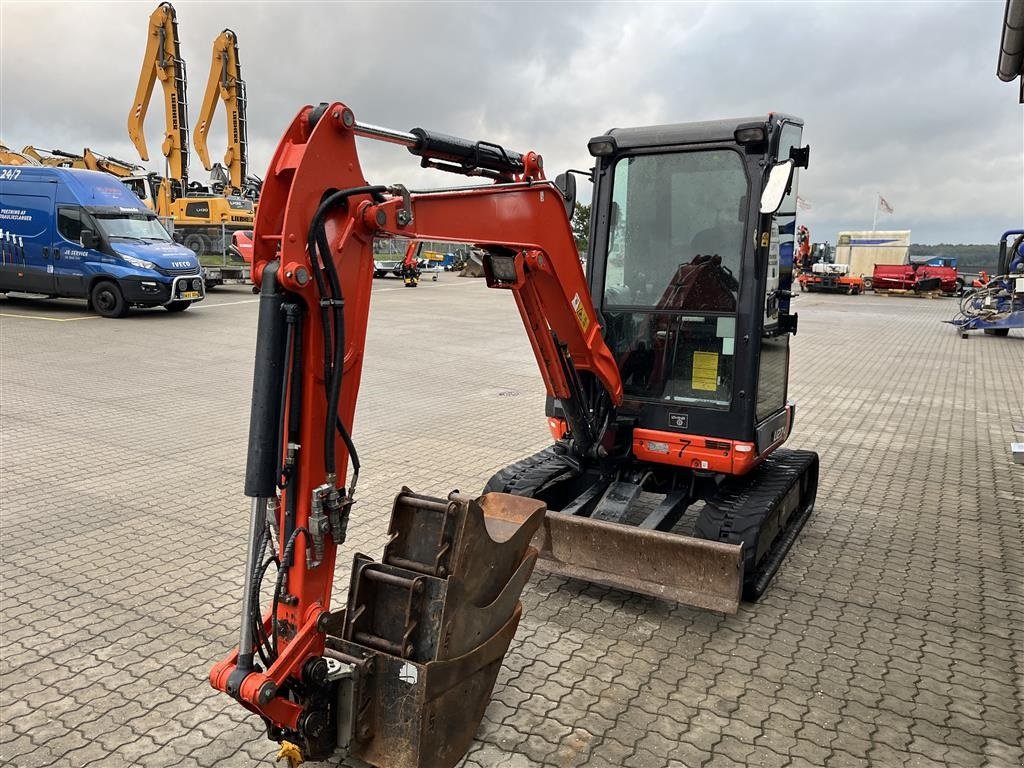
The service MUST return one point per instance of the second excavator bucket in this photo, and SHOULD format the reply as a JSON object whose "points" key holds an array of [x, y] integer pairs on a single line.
{"points": [[417, 651], [682, 569]]}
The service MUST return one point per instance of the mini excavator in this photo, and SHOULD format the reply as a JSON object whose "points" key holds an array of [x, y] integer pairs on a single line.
{"points": [[666, 368]]}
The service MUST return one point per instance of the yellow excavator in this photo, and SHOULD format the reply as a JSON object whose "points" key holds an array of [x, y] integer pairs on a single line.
{"points": [[202, 218], [225, 82]]}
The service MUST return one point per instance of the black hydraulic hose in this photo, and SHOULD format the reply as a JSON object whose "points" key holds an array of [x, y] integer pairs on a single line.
{"points": [[287, 369], [317, 243], [347, 439], [288, 553], [257, 583], [295, 400], [263, 646]]}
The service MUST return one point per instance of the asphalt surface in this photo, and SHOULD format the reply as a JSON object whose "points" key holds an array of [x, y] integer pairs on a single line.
{"points": [[891, 637]]}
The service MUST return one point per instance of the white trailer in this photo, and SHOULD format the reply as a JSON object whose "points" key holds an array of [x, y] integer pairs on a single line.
{"points": [[861, 250]]}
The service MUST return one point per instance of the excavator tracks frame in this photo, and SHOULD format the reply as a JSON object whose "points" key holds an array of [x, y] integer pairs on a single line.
{"points": [[741, 535]]}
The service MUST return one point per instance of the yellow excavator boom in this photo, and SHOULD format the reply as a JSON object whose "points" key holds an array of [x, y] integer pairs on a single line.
{"points": [[162, 61], [120, 168], [225, 81], [55, 158], [10, 157]]}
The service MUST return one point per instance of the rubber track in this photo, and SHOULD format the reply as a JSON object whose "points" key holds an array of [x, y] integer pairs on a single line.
{"points": [[529, 476], [741, 507]]}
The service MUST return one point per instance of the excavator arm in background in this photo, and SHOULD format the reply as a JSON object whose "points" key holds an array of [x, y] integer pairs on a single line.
{"points": [[162, 61], [412, 691], [9, 157], [88, 160], [54, 158], [120, 168], [225, 82]]}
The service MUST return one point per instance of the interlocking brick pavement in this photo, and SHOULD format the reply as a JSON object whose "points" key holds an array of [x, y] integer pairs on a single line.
{"points": [[891, 637]]}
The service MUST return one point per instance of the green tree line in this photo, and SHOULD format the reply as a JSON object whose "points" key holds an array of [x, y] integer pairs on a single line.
{"points": [[969, 256]]}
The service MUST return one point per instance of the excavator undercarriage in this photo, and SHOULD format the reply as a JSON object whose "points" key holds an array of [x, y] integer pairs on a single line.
{"points": [[703, 542]]}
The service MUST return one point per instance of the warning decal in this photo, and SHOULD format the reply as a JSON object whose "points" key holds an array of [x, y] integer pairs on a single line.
{"points": [[581, 312], [705, 371]]}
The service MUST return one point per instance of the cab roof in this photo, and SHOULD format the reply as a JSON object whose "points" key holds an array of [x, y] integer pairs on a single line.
{"points": [[90, 188], [704, 132]]}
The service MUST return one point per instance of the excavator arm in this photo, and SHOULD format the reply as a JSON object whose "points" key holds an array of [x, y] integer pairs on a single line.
{"points": [[225, 82], [313, 260], [10, 157], [162, 61], [120, 168]]}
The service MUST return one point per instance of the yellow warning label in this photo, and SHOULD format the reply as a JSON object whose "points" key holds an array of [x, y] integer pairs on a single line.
{"points": [[764, 239], [705, 371], [581, 312]]}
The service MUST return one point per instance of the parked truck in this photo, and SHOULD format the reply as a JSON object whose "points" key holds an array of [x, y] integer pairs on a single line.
{"points": [[68, 233]]}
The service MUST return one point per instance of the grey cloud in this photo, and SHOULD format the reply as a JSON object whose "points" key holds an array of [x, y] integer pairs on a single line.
{"points": [[899, 98]]}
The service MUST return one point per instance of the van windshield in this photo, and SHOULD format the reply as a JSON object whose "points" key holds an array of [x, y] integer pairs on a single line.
{"points": [[132, 227]]}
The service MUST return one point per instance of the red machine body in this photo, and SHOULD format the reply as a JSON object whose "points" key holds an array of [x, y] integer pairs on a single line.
{"points": [[914, 277]]}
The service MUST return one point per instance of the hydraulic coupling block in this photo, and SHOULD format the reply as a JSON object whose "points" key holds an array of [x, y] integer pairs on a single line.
{"points": [[319, 525]]}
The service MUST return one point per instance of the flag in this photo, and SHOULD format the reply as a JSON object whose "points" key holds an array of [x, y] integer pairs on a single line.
{"points": [[884, 204], [802, 204]]}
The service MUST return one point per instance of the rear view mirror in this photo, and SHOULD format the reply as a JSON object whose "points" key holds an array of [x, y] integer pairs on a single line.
{"points": [[88, 239], [776, 187], [566, 184]]}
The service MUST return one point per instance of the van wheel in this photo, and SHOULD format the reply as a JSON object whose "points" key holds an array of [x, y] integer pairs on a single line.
{"points": [[177, 306], [107, 300]]}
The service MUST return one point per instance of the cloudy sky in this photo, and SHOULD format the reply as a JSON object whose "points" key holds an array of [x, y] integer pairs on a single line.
{"points": [[899, 98]]}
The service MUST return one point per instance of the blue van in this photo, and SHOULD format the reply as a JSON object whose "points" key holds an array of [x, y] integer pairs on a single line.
{"points": [[84, 234]]}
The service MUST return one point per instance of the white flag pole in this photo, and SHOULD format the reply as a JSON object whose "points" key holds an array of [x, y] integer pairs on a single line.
{"points": [[874, 220]]}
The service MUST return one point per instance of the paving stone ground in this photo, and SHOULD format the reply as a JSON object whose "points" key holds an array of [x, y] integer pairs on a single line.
{"points": [[891, 637]]}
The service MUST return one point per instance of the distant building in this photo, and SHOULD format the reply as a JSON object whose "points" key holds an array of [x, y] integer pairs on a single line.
{"points": [[863, 249]]}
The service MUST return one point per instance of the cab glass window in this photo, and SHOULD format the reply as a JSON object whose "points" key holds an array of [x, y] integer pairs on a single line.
{"points": [[677, 226], [69, 224]]}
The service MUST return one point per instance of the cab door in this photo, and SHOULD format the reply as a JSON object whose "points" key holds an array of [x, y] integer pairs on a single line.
{"points": [[68, 253], [26, 236]]}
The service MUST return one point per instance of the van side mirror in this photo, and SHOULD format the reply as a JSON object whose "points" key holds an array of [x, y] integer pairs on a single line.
{"points": [[89, 240], [566, 184], [776, 187]]}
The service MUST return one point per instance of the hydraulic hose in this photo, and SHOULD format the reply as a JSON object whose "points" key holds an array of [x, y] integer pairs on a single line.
{"points": [[317, 244]]}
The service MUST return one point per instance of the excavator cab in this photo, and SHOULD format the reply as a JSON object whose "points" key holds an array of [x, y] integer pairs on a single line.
{"points": [[695, 306]]}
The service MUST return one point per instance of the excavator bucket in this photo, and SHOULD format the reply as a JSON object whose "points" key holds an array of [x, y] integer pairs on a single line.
{"points": [[418, 649]]}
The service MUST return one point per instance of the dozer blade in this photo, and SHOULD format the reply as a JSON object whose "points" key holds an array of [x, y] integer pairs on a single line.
{"points": [[704, 574], [418, 649]]}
